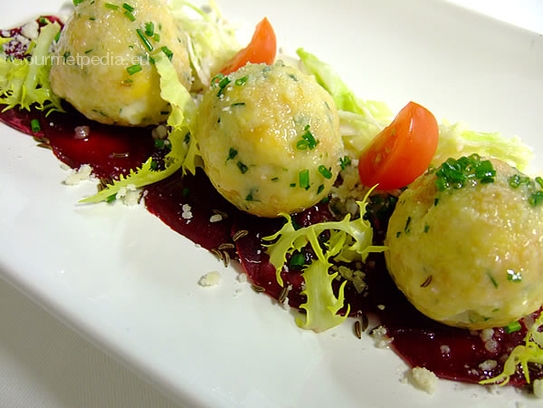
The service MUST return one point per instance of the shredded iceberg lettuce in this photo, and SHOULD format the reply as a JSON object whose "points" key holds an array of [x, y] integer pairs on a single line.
{"points": [[530, 352], [25, 83], [212, 40], [349, 240], [456, 140], [184, 151], [361, 120]]}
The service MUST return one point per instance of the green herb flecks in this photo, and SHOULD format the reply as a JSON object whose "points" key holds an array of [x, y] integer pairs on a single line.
{"points": [[303, 179], [35, 125], [533, 185], [133, 69], [111, 6], [242, 167], [325, 172], [307, 141], [144, 40], [344, 162], [232, 153], [467, 170]]}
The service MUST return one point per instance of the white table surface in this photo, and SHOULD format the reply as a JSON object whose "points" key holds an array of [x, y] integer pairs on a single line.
{"points": [[43, 363]]}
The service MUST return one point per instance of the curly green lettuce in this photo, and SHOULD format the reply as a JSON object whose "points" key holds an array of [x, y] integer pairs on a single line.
{"points": [[349, 240], [184, 149], [531, 352], [24, 83]]}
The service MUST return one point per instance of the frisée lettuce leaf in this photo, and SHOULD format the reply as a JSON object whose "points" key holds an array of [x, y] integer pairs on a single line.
{"points": [[24, 83], [531, 352], [349, 240], [184, 150]]}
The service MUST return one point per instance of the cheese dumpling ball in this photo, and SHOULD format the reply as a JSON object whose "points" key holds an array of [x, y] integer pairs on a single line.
{"points": [[468, 254], [269, 138], [104, 64]]}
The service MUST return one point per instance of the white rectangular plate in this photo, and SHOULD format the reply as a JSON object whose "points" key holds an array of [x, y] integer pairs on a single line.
{"points": [[129, 284]]}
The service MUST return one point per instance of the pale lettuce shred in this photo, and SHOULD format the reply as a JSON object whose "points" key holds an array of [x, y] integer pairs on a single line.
{"points": [[211, 39], [184, 152], [25, 83], [530, 352], [361, 120], [349, 240], [456, 140]]}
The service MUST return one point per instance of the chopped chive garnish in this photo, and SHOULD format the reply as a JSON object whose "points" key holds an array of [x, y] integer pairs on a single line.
{"points": [[320, 188], [216, 79], [297, 260], [494, 282], [242, 167], [130, 16], [241, 81], [77, 2], [223, 82], [344, 162], [134, 69], [512, 327], [128, 7], [457, 173], [326, 173], [144, 39], [35, 125], [168, 52], [238, 104], [303, 179], [88, 51], [536, 198], [308, 141], [156, 37], [149, 29], [111, 6], [232, 153]]}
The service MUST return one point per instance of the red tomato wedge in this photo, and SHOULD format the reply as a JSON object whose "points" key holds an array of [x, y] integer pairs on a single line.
{"points": [[402, 151], [261, 49]]}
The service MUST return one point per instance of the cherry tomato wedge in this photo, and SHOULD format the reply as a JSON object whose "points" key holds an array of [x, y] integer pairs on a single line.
{"points": [[261, 49], [402, 151]]}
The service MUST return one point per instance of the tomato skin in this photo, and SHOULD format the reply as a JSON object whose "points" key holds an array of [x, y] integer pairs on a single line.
{"points": [[402, 151], [261, 49]]}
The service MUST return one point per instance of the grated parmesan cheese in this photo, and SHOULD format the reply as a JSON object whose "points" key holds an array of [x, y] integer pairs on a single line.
{"points": [[424, 379], [212, 278], [129, 195], [76, 176]]}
